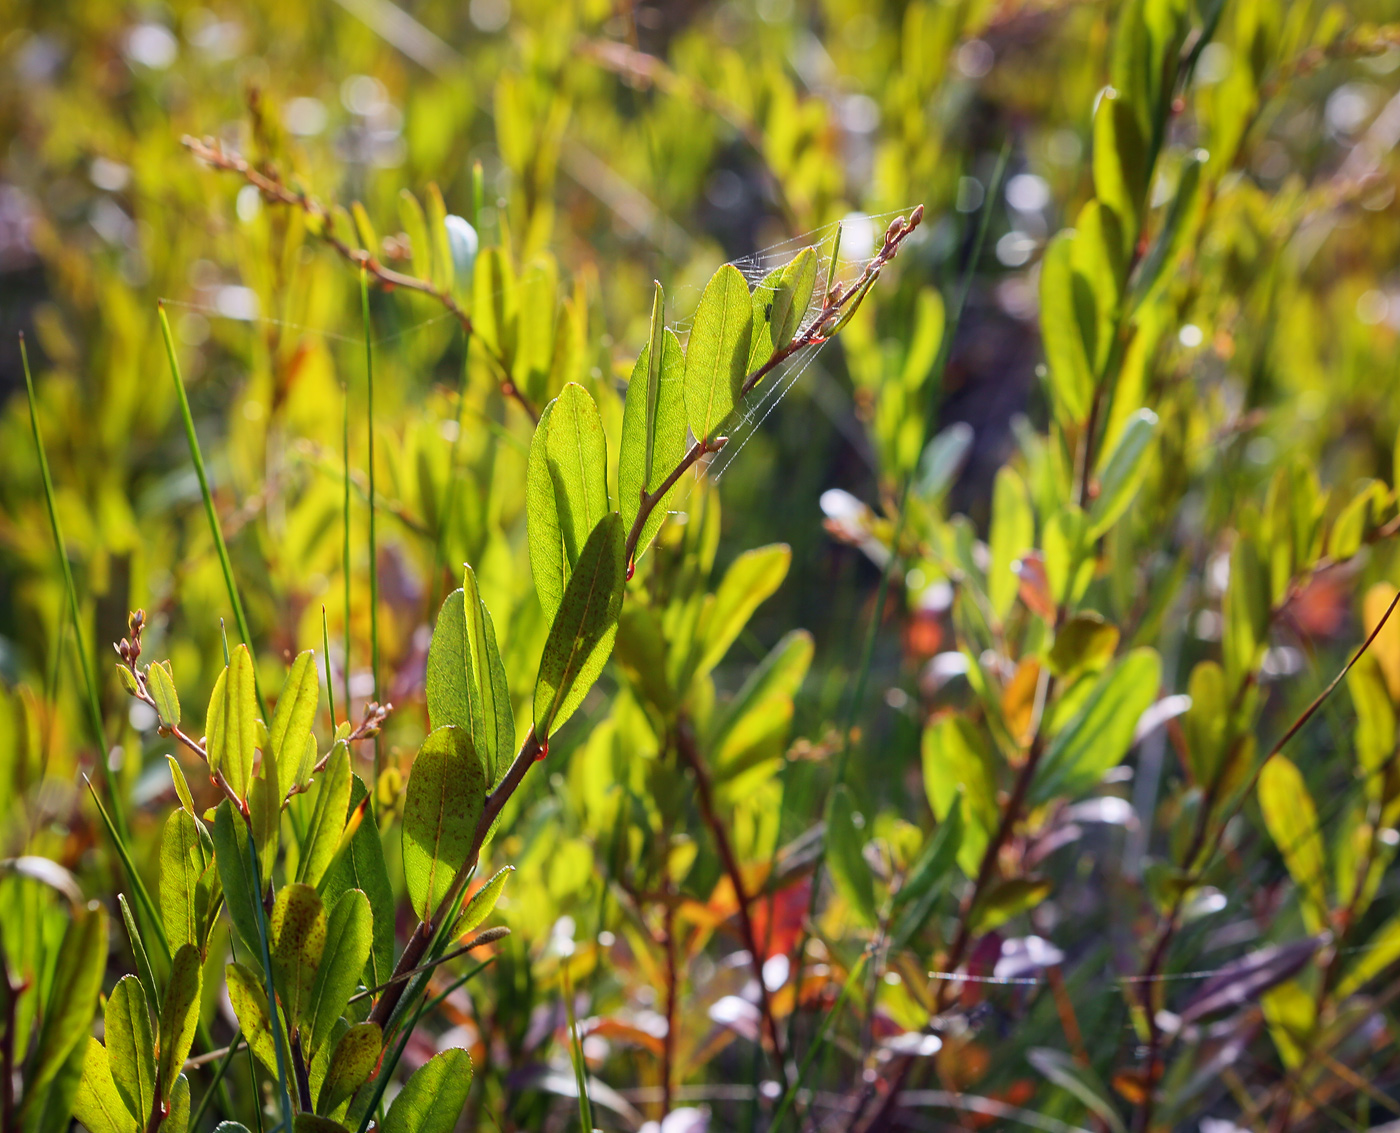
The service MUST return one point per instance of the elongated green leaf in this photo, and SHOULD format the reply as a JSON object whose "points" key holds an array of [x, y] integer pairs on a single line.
{"points": [[1099, 735], [265, 814], [779, 303], [77, 980], [653, 433], [928, 878], [1081, 1081], [956, 764], [1382, 950], [849, 869], [361, 866], [249, 999], [296, 939], [582, 635], [184, 856], [131, 1047], [577, 454], [182, 786], [312, 1123], [241, 888], [1007, 899], [1122, 472], [293, 717], [493, 718], [1120, 164], [446, 791], [482, 902], [716, 358], [1206, 722], [231, 725], [138, 951], [327, 817], [415, 227], [162, 689], [179, 1015], [353, 1060], [1012, 535], [97, 1103], [1291, 818], [1069, 563], [434, 1097], [177, 1118], [749, 581], [1071, 377], [1083, 643], [349, 937], [738, 738], [449, 702], [51, 1110], [547, 562]]}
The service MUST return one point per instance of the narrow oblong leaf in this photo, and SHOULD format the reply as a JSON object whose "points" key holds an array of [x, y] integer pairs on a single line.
{"points": [[748, 582], [241, 888], [353, 1060], [179, 1015], [779, 303], [162, 689], [445, 684], [138, 951], [479, 907], [848, 867], [1122, 472], [183, 859], [249, 999], [433, 1099], [957, 766], [77, 980], [130, 1052], [547, 563], [231, 724], [928, 878], [1071, 376], [97, 1103], [327, 817], [360, 865], [582, 635], [296, 940], [716, 358], [1011, 536], [1291, 818], [653, 436], [446, 791], [493, 718], [1241, 981], [293, 717], [349, 937], [576, 452], [1081, 1081]]}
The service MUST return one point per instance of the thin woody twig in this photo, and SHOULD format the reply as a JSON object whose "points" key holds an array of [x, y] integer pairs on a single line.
{"points": [[274, 189]]}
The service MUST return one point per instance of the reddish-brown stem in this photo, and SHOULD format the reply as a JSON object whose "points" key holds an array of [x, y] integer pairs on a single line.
{"points": [[685, 745], [274, 189]]}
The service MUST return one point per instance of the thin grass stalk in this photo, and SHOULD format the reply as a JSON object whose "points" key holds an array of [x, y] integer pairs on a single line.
{"points": [[271, 993], [326, 656], [373, 552], [138, 886], [345, 546], [818, 1042], [450, 503], [215, 1086], [94, 709], [585, 1106], [215, 530]]}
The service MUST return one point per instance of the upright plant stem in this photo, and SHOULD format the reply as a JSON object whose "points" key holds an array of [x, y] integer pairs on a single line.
{"points": [[326, 654], [94, 709], [373, 554], [345, 547], [240, 619]]}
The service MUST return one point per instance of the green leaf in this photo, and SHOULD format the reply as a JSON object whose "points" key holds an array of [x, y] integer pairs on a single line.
{"points": [[162, 690], [577, 454], [361, 866], [849, 870], [1350, 527], [1081, 1081], [130, 1052], [434, 1097], [1382, 950], [1122, 472], [928, 878], [73, 991], [482, 902], [957, 764], [1071, 377], [779, 303], [446, 791], [1100, 734], [296, 940], [249, 999], [177, 1118], [265, 814], [1206, 723], [444, 269], [748, 582], [653, 433], [327, 817], [1069, 564], [54, 1112], [292, 719], [1290, 1012], [138, 951], [230, 729], [241, 888], [1084, 642], [1245, 612], [449, 703], [547, 562], [582, 635], [349, 937], [184, 857], [1291, 818], [415, 227], [493, 717], [1011, 536], [179, 1015], [1120, 163], [97, 1104], [182, 786], [717, 355], [353, 1060], [312, 1123], [755, 722], [1007, 899]]}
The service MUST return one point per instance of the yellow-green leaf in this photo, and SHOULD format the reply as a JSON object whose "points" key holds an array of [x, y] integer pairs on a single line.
{"points": [[717, 354], [296, 940], [179, 1015], [130, 1052], [1291, 818], [446, 791]]}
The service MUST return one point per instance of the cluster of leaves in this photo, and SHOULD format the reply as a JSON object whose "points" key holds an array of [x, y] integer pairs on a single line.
{"points": [[1104, 765]]}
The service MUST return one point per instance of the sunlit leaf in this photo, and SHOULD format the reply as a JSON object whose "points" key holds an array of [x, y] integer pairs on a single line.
{"points": [[349, 937], [433, 1099], [446, 791], [716, 357]]}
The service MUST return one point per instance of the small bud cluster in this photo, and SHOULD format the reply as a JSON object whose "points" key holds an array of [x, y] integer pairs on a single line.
{"points": [[129, 649]]}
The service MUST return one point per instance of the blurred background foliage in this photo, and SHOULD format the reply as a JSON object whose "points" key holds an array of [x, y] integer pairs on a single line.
{"points": [[619, 144]]}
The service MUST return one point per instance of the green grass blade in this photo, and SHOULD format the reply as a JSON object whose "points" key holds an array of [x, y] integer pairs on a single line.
{"points": [[345, 544], [271, 994], [138, 886], [818, 1042], [373, 553], [94, 709], [326, 656], [214, 529], [585, 1107]]}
